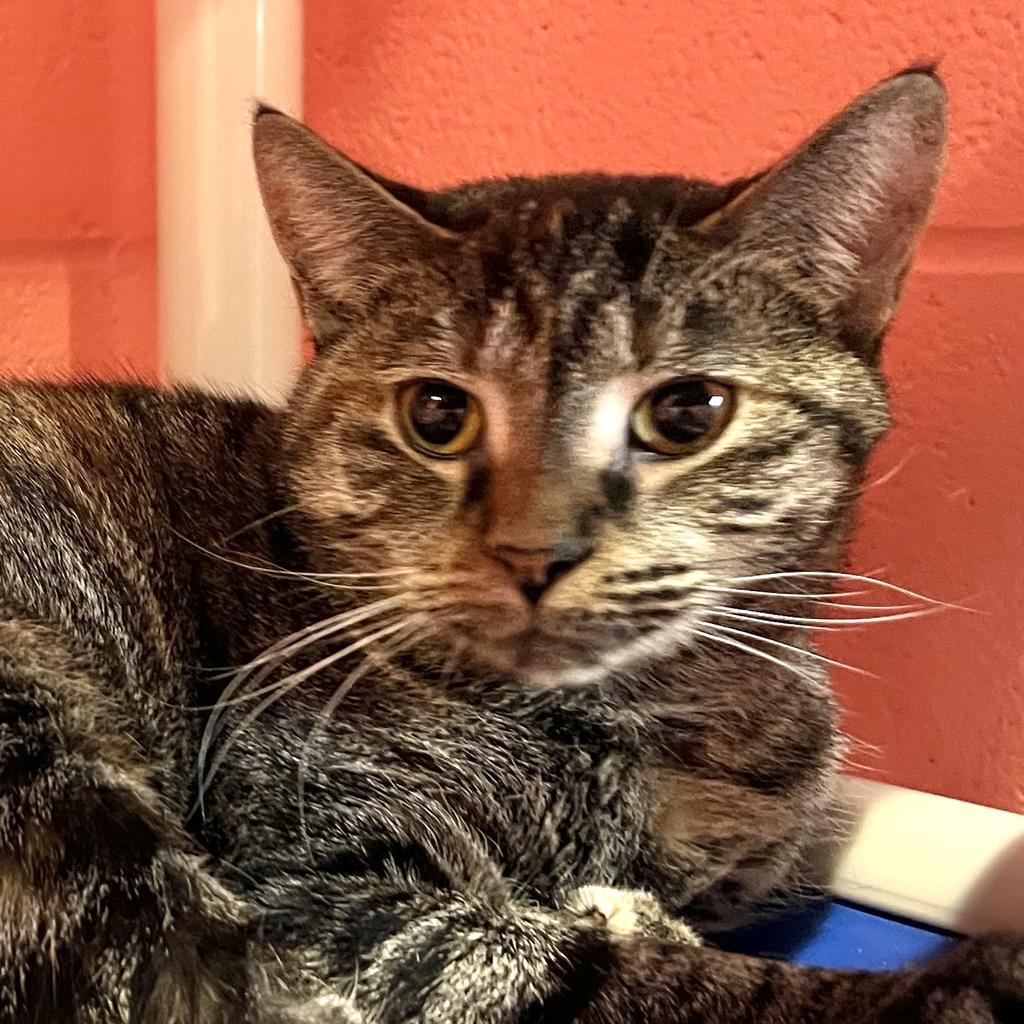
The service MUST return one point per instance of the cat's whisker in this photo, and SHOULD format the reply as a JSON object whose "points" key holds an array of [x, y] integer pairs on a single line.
{"points": [[303, 637], [325, 580], [813, 655], [856, 750], [855, 577], [258, 669], [269, 517], [206, 772], [764, 655], [274, 656], [370, 574], [269, 568], [780, 595], [325, 627], [836, 622], [855, 606], [821, 600], [217, 721], [890, 473], [744, 615], [396, 645], [284, 686]]}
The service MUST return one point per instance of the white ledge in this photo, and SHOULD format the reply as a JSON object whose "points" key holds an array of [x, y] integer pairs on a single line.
{"points": [[941, 862]]}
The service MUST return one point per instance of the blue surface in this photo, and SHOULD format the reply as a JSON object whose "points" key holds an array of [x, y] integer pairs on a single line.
{"points": [[840, 935]]}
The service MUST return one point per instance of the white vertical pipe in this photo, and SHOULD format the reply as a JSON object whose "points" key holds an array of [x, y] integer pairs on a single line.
{"points": [[228, 319]]}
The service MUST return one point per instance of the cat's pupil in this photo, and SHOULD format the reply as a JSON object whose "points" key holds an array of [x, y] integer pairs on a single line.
{"points": [[438, 412], [686, 410]]}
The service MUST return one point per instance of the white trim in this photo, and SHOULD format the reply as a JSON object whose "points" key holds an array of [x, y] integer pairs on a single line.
{"points": [[934, 860], [228, 319]]}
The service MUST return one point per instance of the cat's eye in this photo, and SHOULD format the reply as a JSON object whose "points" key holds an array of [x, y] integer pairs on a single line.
{"points": [[681, 416], [439, 419]]}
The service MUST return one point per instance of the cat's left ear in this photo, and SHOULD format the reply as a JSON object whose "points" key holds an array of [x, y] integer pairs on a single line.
{"points": [[349, 241], [841, 216]]}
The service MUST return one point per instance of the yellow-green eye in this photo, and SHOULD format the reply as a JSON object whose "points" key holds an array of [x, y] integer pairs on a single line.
{"points": [[682, 416], [440, 419]]}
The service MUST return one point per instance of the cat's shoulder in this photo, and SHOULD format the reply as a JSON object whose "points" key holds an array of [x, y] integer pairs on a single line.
{"points": [[40, 415]]}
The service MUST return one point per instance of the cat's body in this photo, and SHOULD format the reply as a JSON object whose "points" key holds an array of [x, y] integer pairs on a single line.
{"points": [[503, 747], [505, 792]]}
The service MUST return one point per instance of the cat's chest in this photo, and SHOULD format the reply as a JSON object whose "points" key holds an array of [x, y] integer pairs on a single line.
{"points": [[559, 794], [555, 795], [564, 798]]}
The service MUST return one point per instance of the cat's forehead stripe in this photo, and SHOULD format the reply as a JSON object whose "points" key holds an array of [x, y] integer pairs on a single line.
{"points": [[499, 336]]}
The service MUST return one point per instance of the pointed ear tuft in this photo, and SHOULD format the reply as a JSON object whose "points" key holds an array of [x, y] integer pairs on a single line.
{"points": [[841, 216], [344, 236], [260, 108]]}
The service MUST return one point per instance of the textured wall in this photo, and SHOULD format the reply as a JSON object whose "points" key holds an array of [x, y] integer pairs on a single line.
{"points": [[77, 204], [436, 91]]}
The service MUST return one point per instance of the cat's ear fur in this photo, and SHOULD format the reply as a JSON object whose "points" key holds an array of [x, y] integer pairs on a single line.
{"points": [[344, 235], [840, 217]]}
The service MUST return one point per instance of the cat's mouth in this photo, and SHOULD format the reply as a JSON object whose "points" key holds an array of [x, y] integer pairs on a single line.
{"points": [[542, 658]]}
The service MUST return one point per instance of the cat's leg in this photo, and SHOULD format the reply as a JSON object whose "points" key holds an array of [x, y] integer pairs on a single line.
{"points": [[409, 953], [106, 913], [628, 912], [979, 982]]}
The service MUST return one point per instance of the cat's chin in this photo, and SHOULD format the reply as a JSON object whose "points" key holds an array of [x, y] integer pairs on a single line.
{"points": [[551, 678], [542, 660]]}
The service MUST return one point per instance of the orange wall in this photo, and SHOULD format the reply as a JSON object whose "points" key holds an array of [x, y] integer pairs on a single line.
{"points": [[77, 180], [439, 90]]}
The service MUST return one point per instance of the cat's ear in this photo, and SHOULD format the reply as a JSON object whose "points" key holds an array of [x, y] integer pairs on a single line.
{"points": [[345, 237], [840, 217]]}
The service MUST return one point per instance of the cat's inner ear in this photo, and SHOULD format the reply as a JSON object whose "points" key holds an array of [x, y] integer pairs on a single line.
{"points": [[840, 217], [345, 237]]}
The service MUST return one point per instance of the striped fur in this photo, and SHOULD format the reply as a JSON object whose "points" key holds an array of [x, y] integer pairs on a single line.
{"points": [[281, 741]]}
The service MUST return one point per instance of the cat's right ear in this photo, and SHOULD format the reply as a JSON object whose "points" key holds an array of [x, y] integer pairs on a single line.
{"points": [[839, 218], [345, 237]]}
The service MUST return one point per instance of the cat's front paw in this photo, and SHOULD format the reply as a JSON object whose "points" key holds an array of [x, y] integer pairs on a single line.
{"points": [[324, 1009], [626, 912], [980, 981]]}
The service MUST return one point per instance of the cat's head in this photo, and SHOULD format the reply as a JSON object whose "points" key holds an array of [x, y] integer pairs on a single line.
{"points": [[557, 414]]}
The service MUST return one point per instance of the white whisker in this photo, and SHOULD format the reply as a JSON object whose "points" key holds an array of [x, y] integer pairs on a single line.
{"points": [[814, 655], [890, 473], [327, 712], [814, 574], [836, 622], [256, 671], [294, 642], [776, 594], [729, 642], [310, 577], [370, 574], [826, 600], [286, 685], [264, 519], [854, 606], [318, 630], [744, 615]]}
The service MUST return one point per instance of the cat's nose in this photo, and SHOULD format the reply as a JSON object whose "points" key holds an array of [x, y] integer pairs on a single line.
{"points": [[535, 569]]}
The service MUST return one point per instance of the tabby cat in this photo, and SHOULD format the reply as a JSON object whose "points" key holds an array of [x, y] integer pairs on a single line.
{"points": [[471, 687]]}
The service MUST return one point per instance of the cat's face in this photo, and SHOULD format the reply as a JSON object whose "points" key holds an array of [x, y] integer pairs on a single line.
{"points": [[555, 418]]}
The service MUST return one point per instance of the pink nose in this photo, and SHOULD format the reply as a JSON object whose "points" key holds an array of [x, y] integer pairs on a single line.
{"points": [[534, 569]]}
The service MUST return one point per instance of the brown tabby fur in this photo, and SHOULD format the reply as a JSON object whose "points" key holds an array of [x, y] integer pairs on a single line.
{"points": [[449, 802]]}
